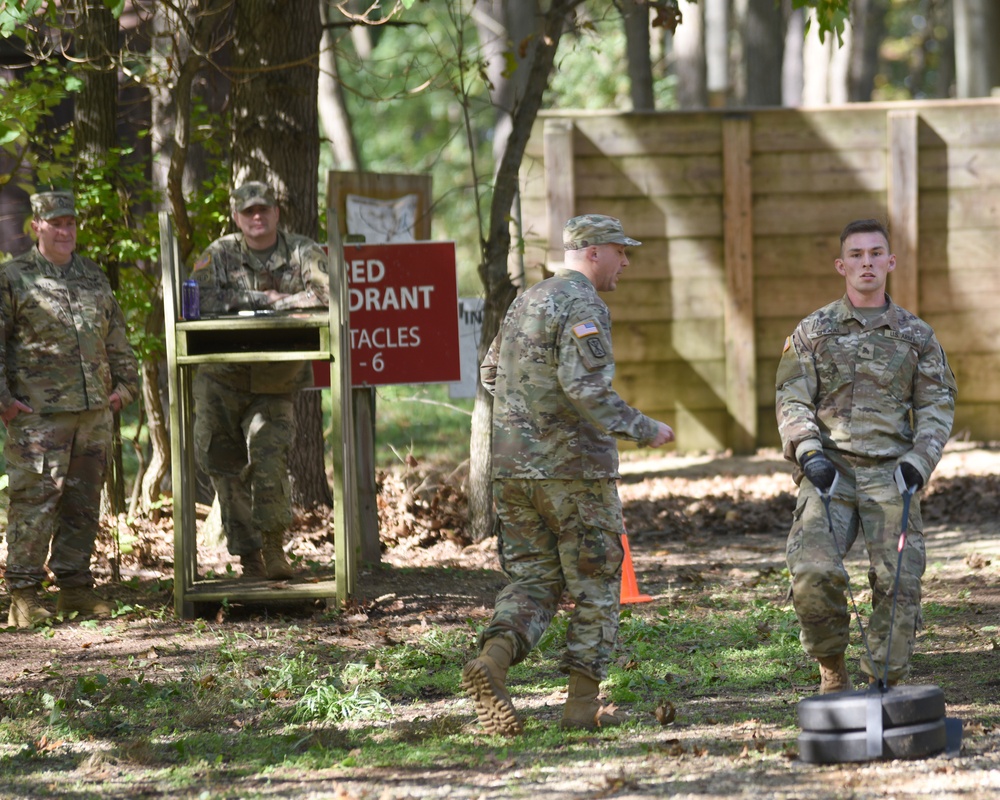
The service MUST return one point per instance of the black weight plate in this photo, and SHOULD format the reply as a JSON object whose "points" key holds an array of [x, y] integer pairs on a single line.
{"points": [[847, 711], [906, 741]]}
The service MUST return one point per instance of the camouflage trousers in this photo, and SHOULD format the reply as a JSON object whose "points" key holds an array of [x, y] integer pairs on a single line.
{"points": [[556, 536], [866, 500], [56, 464], [242, 441]]}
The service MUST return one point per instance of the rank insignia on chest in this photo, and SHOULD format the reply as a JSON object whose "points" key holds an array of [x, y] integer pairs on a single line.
{"points": [[866, 350]]}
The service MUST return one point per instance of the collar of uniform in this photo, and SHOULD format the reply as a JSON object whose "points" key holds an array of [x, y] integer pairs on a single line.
{"points": [[47, 268], [849, 312], [572, 275], [281, 250]]}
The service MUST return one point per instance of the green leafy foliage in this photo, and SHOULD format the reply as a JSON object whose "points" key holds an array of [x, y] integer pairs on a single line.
{"points": [[26, 104], [407, 103], [13, 16], [831, 16]]}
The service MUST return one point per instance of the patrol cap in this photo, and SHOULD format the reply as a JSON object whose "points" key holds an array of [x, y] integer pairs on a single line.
{"points": [[49, 205], [252, 193], [590, 229]]}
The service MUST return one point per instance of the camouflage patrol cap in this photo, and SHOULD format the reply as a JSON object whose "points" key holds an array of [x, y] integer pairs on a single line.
{"points": [[49, 205], [590, 229], [252, 193]]}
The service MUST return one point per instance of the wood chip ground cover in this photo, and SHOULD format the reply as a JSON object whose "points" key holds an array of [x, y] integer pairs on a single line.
{"points": [[705, 532]]}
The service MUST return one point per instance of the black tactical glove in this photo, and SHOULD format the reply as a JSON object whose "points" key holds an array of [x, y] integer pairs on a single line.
{"points": [[911, 475], [818, 469]]}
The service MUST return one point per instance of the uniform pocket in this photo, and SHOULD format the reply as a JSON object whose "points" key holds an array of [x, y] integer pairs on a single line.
{"points": [[897, 377], [24, 452], [600, 507], [601, 523]]}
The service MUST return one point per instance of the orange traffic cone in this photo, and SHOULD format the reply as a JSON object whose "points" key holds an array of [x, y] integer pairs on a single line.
{"points": [[630, 588]]}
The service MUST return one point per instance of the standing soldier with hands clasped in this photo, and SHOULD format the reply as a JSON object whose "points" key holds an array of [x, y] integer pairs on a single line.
{"points": [[864, 394], [244, 412], [555, 470], [65, 367]]}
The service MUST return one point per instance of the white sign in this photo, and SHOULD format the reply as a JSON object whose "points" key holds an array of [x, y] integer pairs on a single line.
{"points": [[470, 326], [382, 221]]}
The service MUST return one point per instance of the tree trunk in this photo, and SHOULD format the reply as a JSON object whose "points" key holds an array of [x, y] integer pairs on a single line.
{"points": [[717, 52], [95, 120], [95, 32], [838, 79], [332, 108], [159, 438], [276, 140], [816, 70], [977, 63], [503, 26], [791, 64], [635, 14], [310, 486], [763, 52], [177, 59], [945, 83], [688, 45], [495, 249], [868, 21]]}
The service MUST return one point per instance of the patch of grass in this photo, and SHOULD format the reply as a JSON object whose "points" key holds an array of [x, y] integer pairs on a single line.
{"points": [[253, 706], [422, 421]]}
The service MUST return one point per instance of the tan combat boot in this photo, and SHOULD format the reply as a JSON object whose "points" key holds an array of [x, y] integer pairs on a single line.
{"points": [[253, 566], [25, 610], [484, 679], [83, 600], [833, 675], [275, 564], [583, 711]]}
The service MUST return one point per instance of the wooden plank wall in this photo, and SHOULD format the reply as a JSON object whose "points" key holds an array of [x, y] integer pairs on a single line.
{"points": [[740, 216]]}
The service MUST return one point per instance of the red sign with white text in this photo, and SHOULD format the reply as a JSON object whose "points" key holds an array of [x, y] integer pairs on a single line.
{"points": [[404, 328]]}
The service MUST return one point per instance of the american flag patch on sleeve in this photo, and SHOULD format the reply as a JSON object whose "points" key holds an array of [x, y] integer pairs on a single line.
{"points": [[588, 328]]}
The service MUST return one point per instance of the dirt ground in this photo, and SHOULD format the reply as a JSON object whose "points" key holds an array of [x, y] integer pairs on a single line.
{"points": [[695, 523]]}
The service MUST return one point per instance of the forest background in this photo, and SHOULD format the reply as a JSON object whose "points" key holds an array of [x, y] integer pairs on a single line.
{"points": [[148, 106]]}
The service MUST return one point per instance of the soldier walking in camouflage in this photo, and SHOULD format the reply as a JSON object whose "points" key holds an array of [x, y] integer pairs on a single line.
{"points": [[65, 367], [244, 421], [863, 390], [555, 467]]}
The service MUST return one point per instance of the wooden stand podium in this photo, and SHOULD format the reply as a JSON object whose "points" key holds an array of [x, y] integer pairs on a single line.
{"points": [[287, 336]]}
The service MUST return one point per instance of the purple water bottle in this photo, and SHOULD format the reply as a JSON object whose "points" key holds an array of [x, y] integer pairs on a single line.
{"points": [[190, 299]]}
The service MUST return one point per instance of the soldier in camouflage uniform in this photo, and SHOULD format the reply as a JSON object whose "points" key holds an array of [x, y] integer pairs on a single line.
{"points": [[244, 423], [65, 367], [555, 466], [863, 389]]}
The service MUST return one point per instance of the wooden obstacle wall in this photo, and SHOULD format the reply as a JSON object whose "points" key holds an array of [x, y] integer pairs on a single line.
{"points": [[740, 215]]}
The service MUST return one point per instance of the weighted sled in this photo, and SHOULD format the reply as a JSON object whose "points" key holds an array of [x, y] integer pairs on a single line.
{"points": [[846, 711], [905, 741]]}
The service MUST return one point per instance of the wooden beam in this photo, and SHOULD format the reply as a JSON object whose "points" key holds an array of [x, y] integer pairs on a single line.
{"points": [[346, 521], [560, 186], [904, 207], [373, 186], [741, 353]]}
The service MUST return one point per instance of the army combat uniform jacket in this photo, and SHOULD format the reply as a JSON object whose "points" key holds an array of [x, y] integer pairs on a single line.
{"points": [[879, 390], [555, 413], [63, 340], [231, 278]]}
